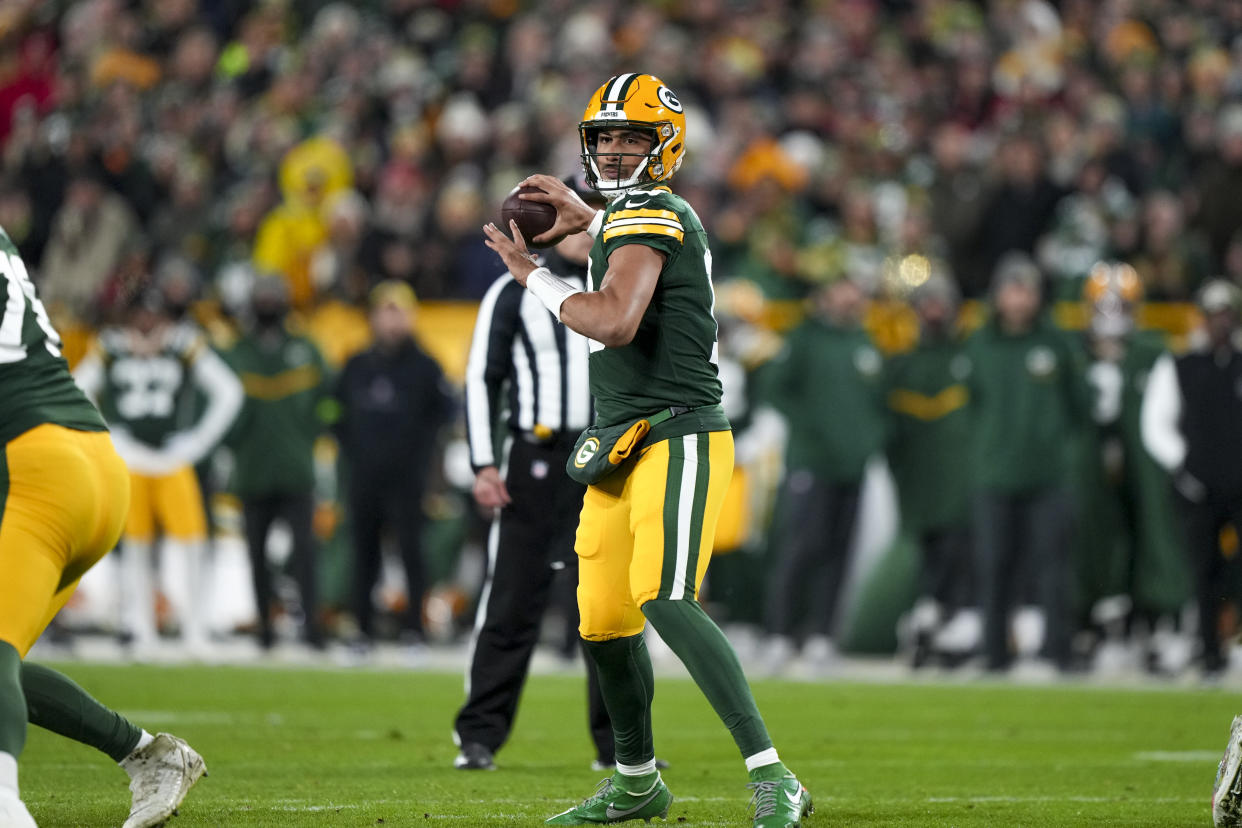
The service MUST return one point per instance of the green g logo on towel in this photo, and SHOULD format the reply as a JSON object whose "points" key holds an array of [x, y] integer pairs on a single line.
{"points": [[586, 451]]}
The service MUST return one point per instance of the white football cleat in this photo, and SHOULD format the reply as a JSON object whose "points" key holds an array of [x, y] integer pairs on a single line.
{"points": [[161, 774], [1227, 792], [13, 813]]}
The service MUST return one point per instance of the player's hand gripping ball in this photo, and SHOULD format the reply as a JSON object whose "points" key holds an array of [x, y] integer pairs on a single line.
{"points": [[532, 217]]}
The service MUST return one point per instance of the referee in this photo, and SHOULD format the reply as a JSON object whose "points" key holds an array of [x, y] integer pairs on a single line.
{"points": [[527, 375]]}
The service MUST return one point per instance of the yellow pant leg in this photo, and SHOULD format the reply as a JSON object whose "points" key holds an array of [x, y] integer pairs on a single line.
{"points": [[178, 503], [140, 521], [65, 495], [604, 545], [650, 534]]}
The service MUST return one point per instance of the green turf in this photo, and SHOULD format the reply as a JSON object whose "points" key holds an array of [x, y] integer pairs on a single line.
{"points": [[294, 748]]}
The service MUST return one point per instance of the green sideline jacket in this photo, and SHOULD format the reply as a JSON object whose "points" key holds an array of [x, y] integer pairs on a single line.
{"points": [[274, 436], [1029, 398], [929, 407], [828, 383]]}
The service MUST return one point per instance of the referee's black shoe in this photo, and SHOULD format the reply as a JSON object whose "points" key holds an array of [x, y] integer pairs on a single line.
{"points": [[474, 756]]}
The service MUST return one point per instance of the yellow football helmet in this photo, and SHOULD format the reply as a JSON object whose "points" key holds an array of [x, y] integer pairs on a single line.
{"points": [[1112, 291], [641, 102]]}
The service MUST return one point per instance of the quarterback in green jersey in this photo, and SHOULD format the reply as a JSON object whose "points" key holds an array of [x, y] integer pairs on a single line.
{"points": [[64, 495], [646, 530]]}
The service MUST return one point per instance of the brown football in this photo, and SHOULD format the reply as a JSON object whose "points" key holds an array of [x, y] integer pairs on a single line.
{"points": [[532, 217]]}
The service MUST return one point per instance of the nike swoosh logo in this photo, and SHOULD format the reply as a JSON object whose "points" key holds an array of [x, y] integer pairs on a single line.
{"points": [[612, 813], [631, 204], [794, 800]]}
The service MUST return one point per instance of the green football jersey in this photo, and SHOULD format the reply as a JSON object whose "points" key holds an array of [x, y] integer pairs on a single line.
{"points": [[35, 385], [149, 390], [672, 358]]}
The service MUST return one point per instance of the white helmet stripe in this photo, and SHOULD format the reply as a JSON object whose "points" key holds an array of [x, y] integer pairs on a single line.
{"points": [[612, 96]]}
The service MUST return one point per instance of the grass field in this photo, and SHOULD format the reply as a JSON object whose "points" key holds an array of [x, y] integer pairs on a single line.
{"points": [[302, 747]]}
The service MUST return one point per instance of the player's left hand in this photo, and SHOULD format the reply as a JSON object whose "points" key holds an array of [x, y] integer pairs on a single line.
{"points": [[512, 252]]}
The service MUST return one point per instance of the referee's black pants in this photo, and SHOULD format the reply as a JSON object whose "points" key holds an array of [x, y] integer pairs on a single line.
{"points": [[530, 550]]}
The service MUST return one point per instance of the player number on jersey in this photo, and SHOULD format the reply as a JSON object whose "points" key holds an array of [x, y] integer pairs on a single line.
{"points": [[146, 387], [21, 291]]}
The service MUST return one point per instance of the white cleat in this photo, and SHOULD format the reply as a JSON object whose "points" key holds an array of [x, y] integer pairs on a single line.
{"points": [[1227, 792], [161, 774], [13, 813]]}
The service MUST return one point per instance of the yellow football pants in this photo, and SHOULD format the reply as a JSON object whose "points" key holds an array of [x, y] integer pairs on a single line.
{"points": [[64, 495], [172, 502], [648, 534]]}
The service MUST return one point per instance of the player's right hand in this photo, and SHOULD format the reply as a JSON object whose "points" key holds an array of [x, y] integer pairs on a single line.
{"points": [[572, 213], [490, 491]]}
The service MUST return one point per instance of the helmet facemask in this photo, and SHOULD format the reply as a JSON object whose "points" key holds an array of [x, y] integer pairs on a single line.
{"points": [[650, 168]]}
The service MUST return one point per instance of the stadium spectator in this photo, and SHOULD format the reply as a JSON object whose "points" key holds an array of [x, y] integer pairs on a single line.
{"points": [[1219, 214], [1171, 260], [1029, 396], [91, 232], [1192, 425], [958, 194], [273, 440], [392, 400], [828, 385], [1021, 204], [533, 504], [929, 408]]}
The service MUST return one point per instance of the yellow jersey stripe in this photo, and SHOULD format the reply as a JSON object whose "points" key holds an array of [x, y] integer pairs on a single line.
{"points": [[282, 385], [923, 407], [631, 222], [668, 215], [654, 229]]}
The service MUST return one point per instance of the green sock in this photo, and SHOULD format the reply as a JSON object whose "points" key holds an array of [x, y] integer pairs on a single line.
{"points": [[12, 704], [55, 702], [627, 685], [713, 665]]}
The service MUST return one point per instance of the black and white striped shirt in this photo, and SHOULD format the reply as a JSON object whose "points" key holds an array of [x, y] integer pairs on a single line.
{"points": [[526, 366]]}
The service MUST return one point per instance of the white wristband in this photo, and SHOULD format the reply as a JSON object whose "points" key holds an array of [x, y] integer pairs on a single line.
{"points": [[550, 290], [596, 223]]}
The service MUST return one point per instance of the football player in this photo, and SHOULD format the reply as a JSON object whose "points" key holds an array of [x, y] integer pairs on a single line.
{"points": [[64, 495], [646, 530], [143, 375], [1132, 565]]}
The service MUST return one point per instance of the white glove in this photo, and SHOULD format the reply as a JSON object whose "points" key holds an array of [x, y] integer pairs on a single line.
{"points": [[186, 447], [141, 458]]}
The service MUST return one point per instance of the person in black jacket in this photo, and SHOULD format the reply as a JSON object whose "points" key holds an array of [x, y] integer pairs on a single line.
{"points": [[393, 400], [1192, 425]]}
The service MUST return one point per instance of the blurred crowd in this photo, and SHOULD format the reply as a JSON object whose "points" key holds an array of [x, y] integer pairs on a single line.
{"points": [[200, 148]]}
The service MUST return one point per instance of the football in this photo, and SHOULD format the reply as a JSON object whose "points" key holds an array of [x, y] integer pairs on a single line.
{"points": [[531, 217]]}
